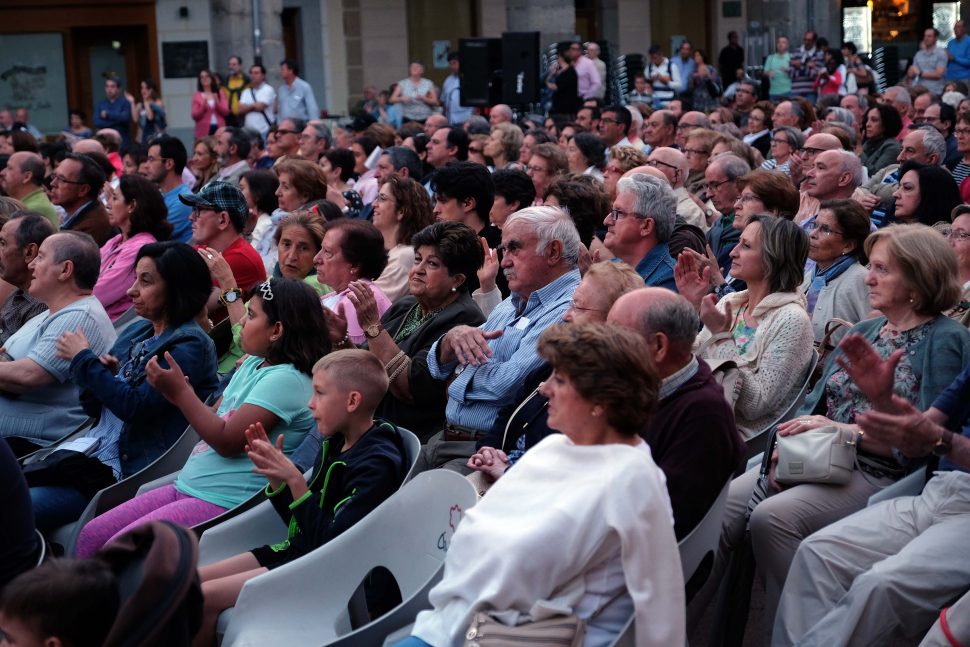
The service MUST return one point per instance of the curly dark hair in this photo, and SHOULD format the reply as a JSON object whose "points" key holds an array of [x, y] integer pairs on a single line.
{"points": [[361, 244], [296, 305], [456, 244], [585, 198]]}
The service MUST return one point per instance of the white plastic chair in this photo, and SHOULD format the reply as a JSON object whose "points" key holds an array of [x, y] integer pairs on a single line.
{"points": [[306, 601], [259, 524], [122, 491], [909, 485], [703, 539], [756, 444]]}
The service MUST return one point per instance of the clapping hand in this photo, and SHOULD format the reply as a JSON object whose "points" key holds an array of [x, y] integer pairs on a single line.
{"points": [[365, 305], [488, 272], [71, 343], [715, 320], [169, 382], [873, 375], [268, 459]]}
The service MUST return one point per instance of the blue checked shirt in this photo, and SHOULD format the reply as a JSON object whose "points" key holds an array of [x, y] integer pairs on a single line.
{"points": [[478, 392]]}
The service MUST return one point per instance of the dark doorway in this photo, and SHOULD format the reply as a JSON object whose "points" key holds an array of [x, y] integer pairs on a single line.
{"points": [[292, 45]]}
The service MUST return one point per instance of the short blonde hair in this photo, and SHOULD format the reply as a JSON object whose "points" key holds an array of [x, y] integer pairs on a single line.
{"points": [[928, 264], [613, 280], [512, 138], [627, 157], [355, 369]]}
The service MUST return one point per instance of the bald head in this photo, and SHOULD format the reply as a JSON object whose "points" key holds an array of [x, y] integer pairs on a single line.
{"points": [[823, 142], [500, 113], [672, 163], [88, 146], [666, 320], [647, 170]]}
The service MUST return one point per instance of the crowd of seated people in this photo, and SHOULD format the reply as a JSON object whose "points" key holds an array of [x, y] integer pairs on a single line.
{"points": [[625, 298]]}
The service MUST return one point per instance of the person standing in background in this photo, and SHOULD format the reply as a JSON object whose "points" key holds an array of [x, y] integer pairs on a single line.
{"points": [[236, 82]]}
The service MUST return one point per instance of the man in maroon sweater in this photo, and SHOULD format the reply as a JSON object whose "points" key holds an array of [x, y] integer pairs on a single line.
{"points": [[691, 434]]}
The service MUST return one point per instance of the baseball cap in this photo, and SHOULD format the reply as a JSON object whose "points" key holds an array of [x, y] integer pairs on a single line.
{"points": [[220, 196]]}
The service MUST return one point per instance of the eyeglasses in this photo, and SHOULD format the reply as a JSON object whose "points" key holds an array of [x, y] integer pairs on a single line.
{"points": [[714, 186], [382, 197], [198, 211], [961, 131], [266, 290], [812, 152], [952, 234], [691, 152], [825, 230], [536, 169], [745, 198], [616, 214], [654, 164], [60, 179], [778, 140], [575, 306]]}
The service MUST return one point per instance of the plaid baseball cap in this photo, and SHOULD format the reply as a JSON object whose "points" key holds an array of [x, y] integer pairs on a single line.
{"points": [[220, 196]]}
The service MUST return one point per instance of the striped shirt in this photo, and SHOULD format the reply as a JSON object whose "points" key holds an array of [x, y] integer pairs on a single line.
{"points": [[960, 172], [477, 393]]}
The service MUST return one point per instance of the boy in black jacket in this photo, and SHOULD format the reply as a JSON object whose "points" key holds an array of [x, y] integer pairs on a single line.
{"points": [[361, 464]]}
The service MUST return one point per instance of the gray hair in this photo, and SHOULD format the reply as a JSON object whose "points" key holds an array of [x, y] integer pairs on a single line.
{"points": [[851, 164], [654, 198], [477, 125], [402, 156], [732, 165], [843, 114], [551, 224], [900, 95], [323, 132], [933, 142], [636, 117], [79, 248], [676, 318], [796, 110], [795, 137], [848, 129]]}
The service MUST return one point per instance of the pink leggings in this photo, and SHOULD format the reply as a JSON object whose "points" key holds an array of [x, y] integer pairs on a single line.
{"points": [[164, 503]]}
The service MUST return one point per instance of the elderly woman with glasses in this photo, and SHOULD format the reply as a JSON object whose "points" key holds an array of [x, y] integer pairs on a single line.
{"points": [[785, 141], [402, 209], [546, 164]]}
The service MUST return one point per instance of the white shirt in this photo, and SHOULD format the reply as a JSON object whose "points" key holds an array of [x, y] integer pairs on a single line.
{"points": [[560, 532], [263, 94]]}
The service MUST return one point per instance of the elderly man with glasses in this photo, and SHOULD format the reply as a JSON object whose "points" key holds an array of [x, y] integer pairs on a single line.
{"points": [[639, 227], [77, 182]]}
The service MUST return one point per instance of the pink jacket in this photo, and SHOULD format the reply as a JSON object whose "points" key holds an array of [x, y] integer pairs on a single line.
{"points": [[118, 272], [202, 113]]}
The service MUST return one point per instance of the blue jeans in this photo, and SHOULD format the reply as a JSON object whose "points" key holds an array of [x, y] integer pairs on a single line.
{"points": [[55, 506]]}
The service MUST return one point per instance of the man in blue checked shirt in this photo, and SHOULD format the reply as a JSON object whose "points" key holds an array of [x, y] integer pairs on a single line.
{"points": [[489, 363]]}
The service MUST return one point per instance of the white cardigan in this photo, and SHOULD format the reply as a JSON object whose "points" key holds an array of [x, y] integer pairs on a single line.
{"points": [[774, 367], [547, 537]]}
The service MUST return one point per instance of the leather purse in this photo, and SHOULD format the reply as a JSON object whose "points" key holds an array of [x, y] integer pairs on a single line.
{"points": [[824, 455]]}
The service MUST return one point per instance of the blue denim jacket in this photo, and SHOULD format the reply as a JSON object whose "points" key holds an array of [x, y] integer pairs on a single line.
{"points": [[152, 423]]}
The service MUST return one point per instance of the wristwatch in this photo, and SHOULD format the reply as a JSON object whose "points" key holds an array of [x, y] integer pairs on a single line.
{"points": [[370, 332], [230, 296], [944, 444]]}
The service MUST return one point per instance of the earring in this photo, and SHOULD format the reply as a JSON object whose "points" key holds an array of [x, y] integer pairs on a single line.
{"points": [[454, 289], [595, 412]]}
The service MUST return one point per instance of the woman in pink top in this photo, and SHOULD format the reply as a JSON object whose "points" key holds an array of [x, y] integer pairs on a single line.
{"points": [[138, 210], [210, 106], [352, 250]]}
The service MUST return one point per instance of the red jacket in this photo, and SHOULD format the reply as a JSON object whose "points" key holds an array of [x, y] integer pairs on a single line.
{"points": [[202, 113]]}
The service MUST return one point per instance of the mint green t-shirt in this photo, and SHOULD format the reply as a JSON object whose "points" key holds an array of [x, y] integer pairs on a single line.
{"points": [[780, 83], [282, 390]]}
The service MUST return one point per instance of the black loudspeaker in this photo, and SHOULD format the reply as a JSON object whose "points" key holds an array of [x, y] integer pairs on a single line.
{"points": [[481, 67], [520, 67]]}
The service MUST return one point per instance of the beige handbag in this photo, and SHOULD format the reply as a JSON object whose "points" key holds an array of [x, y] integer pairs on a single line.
{"points": [[558, 631], [824, 455]]}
